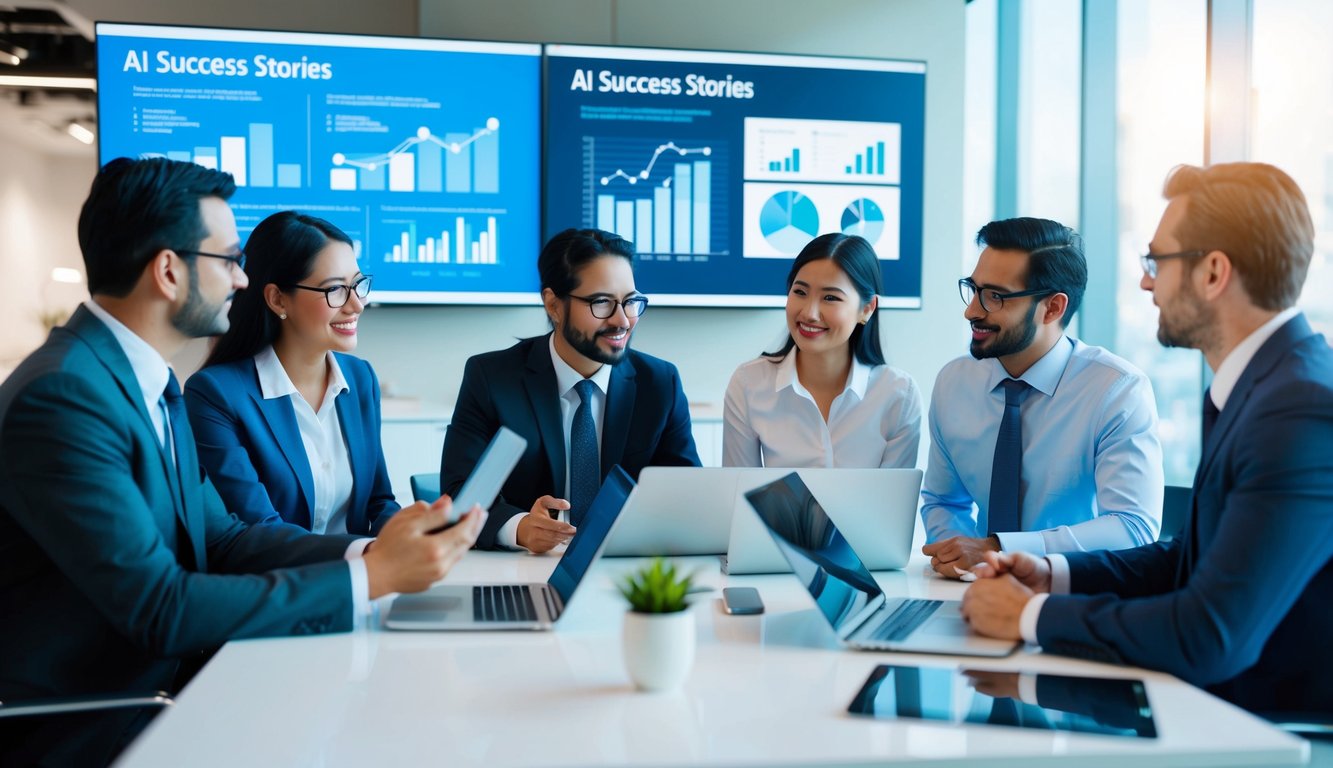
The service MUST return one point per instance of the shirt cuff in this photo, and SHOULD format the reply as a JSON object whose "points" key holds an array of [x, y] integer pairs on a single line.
{"points": [[356, 549], [1027, 621], [1031, 542], [1027, 688], [1059, 574], [360, 591], [507, 536]]}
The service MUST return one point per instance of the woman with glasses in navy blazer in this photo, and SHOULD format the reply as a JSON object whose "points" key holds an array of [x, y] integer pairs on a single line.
{"points": [[286, 420]]}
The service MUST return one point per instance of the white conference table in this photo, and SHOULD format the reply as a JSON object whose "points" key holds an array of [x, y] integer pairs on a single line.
{"points": [[764, 690]]}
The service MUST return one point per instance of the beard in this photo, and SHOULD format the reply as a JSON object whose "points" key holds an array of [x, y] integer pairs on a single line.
{"points": [[587, 345], [199, 317], [1192, 323], [1008, 342]]}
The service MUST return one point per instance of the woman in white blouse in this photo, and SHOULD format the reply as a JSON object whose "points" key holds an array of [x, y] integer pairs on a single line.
{"points": [[826, 398]]}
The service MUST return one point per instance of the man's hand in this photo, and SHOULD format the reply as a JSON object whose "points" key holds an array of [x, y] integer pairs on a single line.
{"points": [[992, 607], [538, 532], [406, 557], [961, 552], [1032, 572]]}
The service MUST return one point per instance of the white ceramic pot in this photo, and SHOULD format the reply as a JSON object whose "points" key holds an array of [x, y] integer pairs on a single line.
{"points": [[658, 648]]}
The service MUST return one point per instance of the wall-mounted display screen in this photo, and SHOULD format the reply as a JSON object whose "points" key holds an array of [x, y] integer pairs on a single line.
{"points": [[426, 152], [720, 167]]}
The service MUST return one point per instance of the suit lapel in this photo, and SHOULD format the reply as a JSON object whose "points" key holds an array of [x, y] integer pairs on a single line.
{"points": [[281, 420], [619, 409], [541, 388], [349, 419]]}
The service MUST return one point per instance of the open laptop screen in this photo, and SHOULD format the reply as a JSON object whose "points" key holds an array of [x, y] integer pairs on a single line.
{"points": [[819, 555], [588, 541]]}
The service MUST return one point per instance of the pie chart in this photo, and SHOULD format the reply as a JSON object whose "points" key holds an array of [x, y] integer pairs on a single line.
{"points": [[863, 217], [789, 220]]}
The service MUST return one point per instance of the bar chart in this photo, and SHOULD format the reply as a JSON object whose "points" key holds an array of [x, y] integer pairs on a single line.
{"points": [[665, 197], [463, 242], [249, 158], [453, 162], [783, 149]]}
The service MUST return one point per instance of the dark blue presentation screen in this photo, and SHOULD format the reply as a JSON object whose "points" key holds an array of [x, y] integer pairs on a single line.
{"points": [[720, 167], [426, 152]]}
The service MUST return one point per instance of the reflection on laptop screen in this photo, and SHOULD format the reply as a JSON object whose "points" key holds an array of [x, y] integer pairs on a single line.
{"points": [[587, 542], [820, 556]]}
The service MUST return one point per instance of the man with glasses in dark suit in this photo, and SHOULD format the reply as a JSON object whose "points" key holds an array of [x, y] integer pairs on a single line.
{"points": [[583, 399]]}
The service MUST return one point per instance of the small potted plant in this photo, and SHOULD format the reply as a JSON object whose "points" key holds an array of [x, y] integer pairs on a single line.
{"points": [[658, 641]]}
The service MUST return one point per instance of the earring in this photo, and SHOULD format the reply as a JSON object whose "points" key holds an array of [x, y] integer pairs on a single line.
{"points": [[282, 316]]}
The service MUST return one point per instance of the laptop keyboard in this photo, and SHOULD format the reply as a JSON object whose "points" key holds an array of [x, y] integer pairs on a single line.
{"points": [[510, 602], [905, 619]]}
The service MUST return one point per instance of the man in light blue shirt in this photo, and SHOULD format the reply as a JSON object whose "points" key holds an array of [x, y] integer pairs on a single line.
{"points": [[1052, 442]]}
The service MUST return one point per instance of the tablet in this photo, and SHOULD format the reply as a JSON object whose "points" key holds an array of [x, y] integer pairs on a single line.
{"points": [[488, 477], [1095, 705]]}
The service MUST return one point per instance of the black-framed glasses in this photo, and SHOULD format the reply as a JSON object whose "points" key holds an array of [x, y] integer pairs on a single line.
{"points": [[237, 259], [991, 299], [1149, 260], [603, 307], [337, 295]]}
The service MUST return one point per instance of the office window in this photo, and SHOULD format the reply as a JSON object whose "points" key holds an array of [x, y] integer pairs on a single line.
{"points": [[1292, 102], [1162, 54], [1050, 103], [979, 125]]}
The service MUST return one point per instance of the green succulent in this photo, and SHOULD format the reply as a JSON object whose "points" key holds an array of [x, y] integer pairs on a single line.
{"points": [[657, 588]]}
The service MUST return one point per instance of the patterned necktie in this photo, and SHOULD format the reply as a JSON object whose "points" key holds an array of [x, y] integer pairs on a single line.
{"points": [[1007, 466], [585, 465], [1210, 414]]}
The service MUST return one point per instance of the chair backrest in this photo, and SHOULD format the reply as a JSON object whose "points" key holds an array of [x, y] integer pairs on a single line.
{"points": [[425, 487], [1175, 508]]}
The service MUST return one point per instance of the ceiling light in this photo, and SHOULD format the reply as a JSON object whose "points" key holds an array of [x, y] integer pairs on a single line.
{"points": [[51, 81], [11, 54], [81, 133]]}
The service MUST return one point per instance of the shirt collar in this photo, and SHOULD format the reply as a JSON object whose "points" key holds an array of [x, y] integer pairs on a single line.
{"points": [[566, 377], [1229, 372], [150, 369], [857, 380], [274, 381], [1044, 375]]}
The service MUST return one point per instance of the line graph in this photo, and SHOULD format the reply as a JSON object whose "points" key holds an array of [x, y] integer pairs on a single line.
{"points": [[648, 169], [425, 162]]}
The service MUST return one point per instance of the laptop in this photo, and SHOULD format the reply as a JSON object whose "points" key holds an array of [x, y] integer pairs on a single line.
{"points": [[874, 508], [519, 606], [677, 511], [845, 592]]}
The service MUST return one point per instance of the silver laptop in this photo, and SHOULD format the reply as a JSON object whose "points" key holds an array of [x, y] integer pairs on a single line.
{"points": [[519, 606], [874, 508], [677, 511], [845, 592]]}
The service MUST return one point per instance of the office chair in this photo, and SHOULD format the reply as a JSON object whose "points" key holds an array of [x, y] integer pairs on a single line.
{"points": [[64, 706], [425, 487], [1175, 508]]}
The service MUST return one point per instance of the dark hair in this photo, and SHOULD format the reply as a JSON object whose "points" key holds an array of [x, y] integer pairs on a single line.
{"points": [[855, 257], [137, 208], [281, 251], [565, 254], [1257, 216], [1055, 256]]}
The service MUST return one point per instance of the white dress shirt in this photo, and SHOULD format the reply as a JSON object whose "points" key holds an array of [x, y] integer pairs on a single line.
{"points": [[566, 378], [1092, 463], [322, 436], [151, 372], [771, 420], [1226, 376]]}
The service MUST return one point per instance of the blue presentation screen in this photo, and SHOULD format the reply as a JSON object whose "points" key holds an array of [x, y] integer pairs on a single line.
{"points": [[426, 152], [720, 167]]}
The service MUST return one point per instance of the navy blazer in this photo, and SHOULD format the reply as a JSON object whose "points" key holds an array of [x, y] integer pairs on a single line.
{"points": [[646, 423], [1242, 601], [112, 566], [252, 449]]}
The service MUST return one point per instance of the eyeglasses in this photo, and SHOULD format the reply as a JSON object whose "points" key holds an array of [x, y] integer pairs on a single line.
{"points": [[991, 299], [603, 307], [1149, 260], [237, 259], [337, 295]]}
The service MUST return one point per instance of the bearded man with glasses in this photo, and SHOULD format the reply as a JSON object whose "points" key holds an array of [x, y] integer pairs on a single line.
{"points": [[583, 399], [1051, 441]]}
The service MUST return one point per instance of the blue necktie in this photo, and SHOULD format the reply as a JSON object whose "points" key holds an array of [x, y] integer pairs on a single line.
{"points": [[177, 420], [1210, 414], [585, 465], [1007, 467]]}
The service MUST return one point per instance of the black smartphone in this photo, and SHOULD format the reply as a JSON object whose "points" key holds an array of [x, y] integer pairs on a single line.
{"points": [[742, 601]]}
